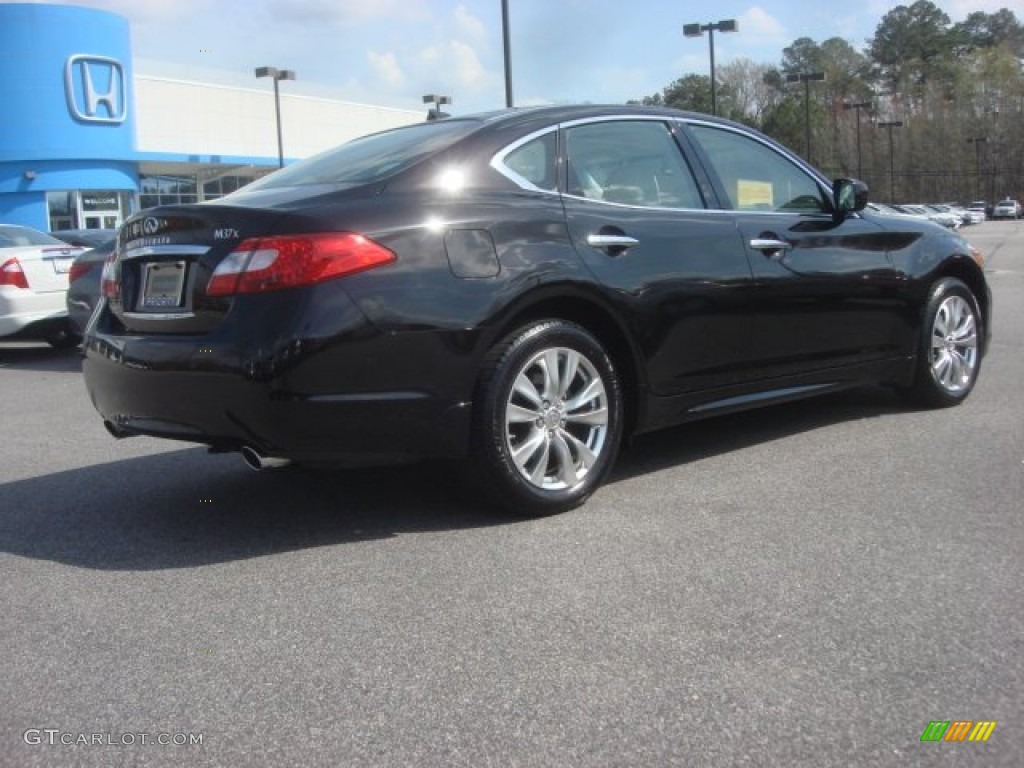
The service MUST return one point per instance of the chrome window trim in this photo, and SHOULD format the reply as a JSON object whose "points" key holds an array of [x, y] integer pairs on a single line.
{"points": [[498, 162], [673, 123]]}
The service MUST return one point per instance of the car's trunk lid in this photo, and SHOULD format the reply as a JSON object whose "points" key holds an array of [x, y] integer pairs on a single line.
{"points": [[45, 267], [164, 260]]}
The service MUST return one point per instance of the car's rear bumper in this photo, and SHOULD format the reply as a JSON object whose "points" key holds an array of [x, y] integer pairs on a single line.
{"points": [[20, 309], [306, 411]]}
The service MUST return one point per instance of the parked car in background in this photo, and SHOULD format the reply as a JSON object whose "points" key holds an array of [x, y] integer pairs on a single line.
{"points": [[522, 291], [1006, 209], [961, 211], [87, 238], [942, 215], [891, 209], [977, 210], [34, 270], [84, 280]]}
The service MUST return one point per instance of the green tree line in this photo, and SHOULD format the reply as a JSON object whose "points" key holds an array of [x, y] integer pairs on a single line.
{"points": [[957, 89]]}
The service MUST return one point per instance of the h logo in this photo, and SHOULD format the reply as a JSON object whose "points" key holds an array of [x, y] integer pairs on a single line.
{"points": [[95, 89]]}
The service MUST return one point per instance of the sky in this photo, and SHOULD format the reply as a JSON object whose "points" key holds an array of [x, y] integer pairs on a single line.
{"points": [[391, 52]]}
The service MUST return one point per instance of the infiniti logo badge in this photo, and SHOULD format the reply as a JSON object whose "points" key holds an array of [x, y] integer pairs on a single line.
{"points": [[151, 226], [95, 89]]}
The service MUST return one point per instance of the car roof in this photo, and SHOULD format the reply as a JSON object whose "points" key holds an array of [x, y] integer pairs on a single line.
{"points": [[563, 113]]}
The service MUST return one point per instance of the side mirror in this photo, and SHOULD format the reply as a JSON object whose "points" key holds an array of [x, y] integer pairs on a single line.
{"points": [[848, 196]]}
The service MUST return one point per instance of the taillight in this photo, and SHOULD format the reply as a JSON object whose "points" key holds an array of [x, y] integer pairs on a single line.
{"points": [[79, 269], [110, 287], [12, 274], [263, 264]]}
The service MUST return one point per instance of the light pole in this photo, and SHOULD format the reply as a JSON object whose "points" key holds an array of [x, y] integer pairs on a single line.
{"points": [[277, 75], [697, 30], [858, 105], [977, 141], [807, 78], [892, 168], [508, 53], [435, 112]]}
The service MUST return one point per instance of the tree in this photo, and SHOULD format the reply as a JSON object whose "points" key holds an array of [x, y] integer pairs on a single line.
{"points": [[957, 88], [804, 55], [910, 45], [749, 94], [989, 30], [692, 92]]}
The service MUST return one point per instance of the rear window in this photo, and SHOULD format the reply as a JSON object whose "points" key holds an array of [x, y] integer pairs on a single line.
{"points": [[14, 236], [370, 158]]}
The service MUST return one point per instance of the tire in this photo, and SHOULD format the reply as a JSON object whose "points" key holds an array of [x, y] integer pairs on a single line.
{"points": [[543, 444], [63, 338], [949, 352]]}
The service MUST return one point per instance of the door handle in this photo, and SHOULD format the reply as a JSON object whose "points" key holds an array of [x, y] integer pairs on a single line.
{"points": [[768, 244], [614, 244]]}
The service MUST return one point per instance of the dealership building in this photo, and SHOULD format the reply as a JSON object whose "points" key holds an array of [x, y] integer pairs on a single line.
{"points": [[90, 135]]}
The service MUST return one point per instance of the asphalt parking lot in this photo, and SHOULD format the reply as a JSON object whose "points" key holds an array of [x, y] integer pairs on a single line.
{"points": [[808, 585]]}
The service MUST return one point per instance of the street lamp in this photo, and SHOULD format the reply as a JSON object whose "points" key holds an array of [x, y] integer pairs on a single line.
{"points": [[277, 75], [892, 169], [506, 45], [858, 105], [435, 112], [807, 78], [977, 142], [697, 30]]}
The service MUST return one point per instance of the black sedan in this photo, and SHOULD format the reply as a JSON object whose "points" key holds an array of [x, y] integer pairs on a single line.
{"points": [[523, 291], [84, 277]]}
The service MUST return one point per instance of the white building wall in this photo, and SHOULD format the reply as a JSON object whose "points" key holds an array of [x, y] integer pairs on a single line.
{"points": [[194, 118]]}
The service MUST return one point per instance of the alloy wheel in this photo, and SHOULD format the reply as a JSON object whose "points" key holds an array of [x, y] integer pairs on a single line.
{"points": [[556, 418], [954, 345]]}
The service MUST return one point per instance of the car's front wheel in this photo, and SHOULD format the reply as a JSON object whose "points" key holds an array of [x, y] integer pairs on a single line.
{"points": [[547, 419], [949, 352]]}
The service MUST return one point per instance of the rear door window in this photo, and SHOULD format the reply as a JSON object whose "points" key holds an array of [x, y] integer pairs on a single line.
{"points": [[629, 162]]}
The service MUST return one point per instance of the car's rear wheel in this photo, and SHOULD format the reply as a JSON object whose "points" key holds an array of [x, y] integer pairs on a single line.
{"points": [[547, 419], [949, 352], [62, 337]]}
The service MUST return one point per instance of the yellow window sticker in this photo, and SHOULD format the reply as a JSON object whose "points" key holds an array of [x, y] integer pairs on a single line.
{"points": [[754, 194]]}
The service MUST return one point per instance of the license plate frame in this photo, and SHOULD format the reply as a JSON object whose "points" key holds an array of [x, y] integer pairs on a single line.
{"points": [[163, 285]]}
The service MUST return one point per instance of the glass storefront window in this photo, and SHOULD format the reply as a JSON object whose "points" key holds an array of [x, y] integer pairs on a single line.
{"points": [[88, 208], [63, 210], [224, 185]]}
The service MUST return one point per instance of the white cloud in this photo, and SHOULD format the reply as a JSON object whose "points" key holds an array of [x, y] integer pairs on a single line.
{"points": [[469, 72], [386, 68], [757, 22], [347, 12], [690, 64], [469, 27]]}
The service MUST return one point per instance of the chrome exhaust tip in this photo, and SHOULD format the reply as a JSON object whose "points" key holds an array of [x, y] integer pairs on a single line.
{"points": [[257, 461]]}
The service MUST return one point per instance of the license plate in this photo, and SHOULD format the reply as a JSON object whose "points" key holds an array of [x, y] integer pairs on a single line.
{"points": [[61, 266], [162, 284]]}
